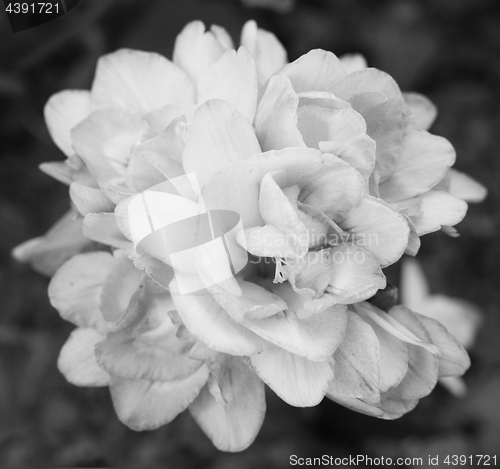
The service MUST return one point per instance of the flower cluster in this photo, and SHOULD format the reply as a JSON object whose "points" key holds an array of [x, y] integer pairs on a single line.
{"points": [[334, 176]]}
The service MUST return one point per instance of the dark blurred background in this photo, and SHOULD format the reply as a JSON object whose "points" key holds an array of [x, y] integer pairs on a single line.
{"points": [[447, 49]]}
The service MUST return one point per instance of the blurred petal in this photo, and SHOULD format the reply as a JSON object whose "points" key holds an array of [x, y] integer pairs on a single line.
{"points": [[298, 381], [195, 50], [318, 70], [233, 425], [453, 359], [146, 405], [356, 370], [466, 188], [233, 79], [48, 252], [76, 287], [276, 116], [424, 162], [139, 81], [414, 288], [377, 228], [456, 386], [217, 136], [63, 111], [267, 51], [395, 408], [422, 365], [353, 62], [77, 361], [424, 112]]}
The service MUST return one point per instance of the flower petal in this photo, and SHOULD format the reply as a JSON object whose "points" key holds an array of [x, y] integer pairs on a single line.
{"points": [[77, 361], [217, 136], [48, 252], [466, 188], [353, 62], [267, 51], [236, 186], [102, 228], [355, 274], [414, 289], [88, 199], [139, 81], [438, 209], [424, 162], [233, 425], [355, 404], [119, 286], [374, 226], [315, 338], [213, 326], [453, 359], [423, 111], [276, 116], [105, 141], [385, 125], [422, 365], [298, 381], [76, 288], [63, 111], [195, 50], [146, 405], [318, 70], [357, 369], [233, 79]]}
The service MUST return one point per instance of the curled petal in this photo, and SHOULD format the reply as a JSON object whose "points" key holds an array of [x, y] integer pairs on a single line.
{"points": [[355, 274], [276, 116], [213, 326], [314, 338], [77, 360], [379, 229]]}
